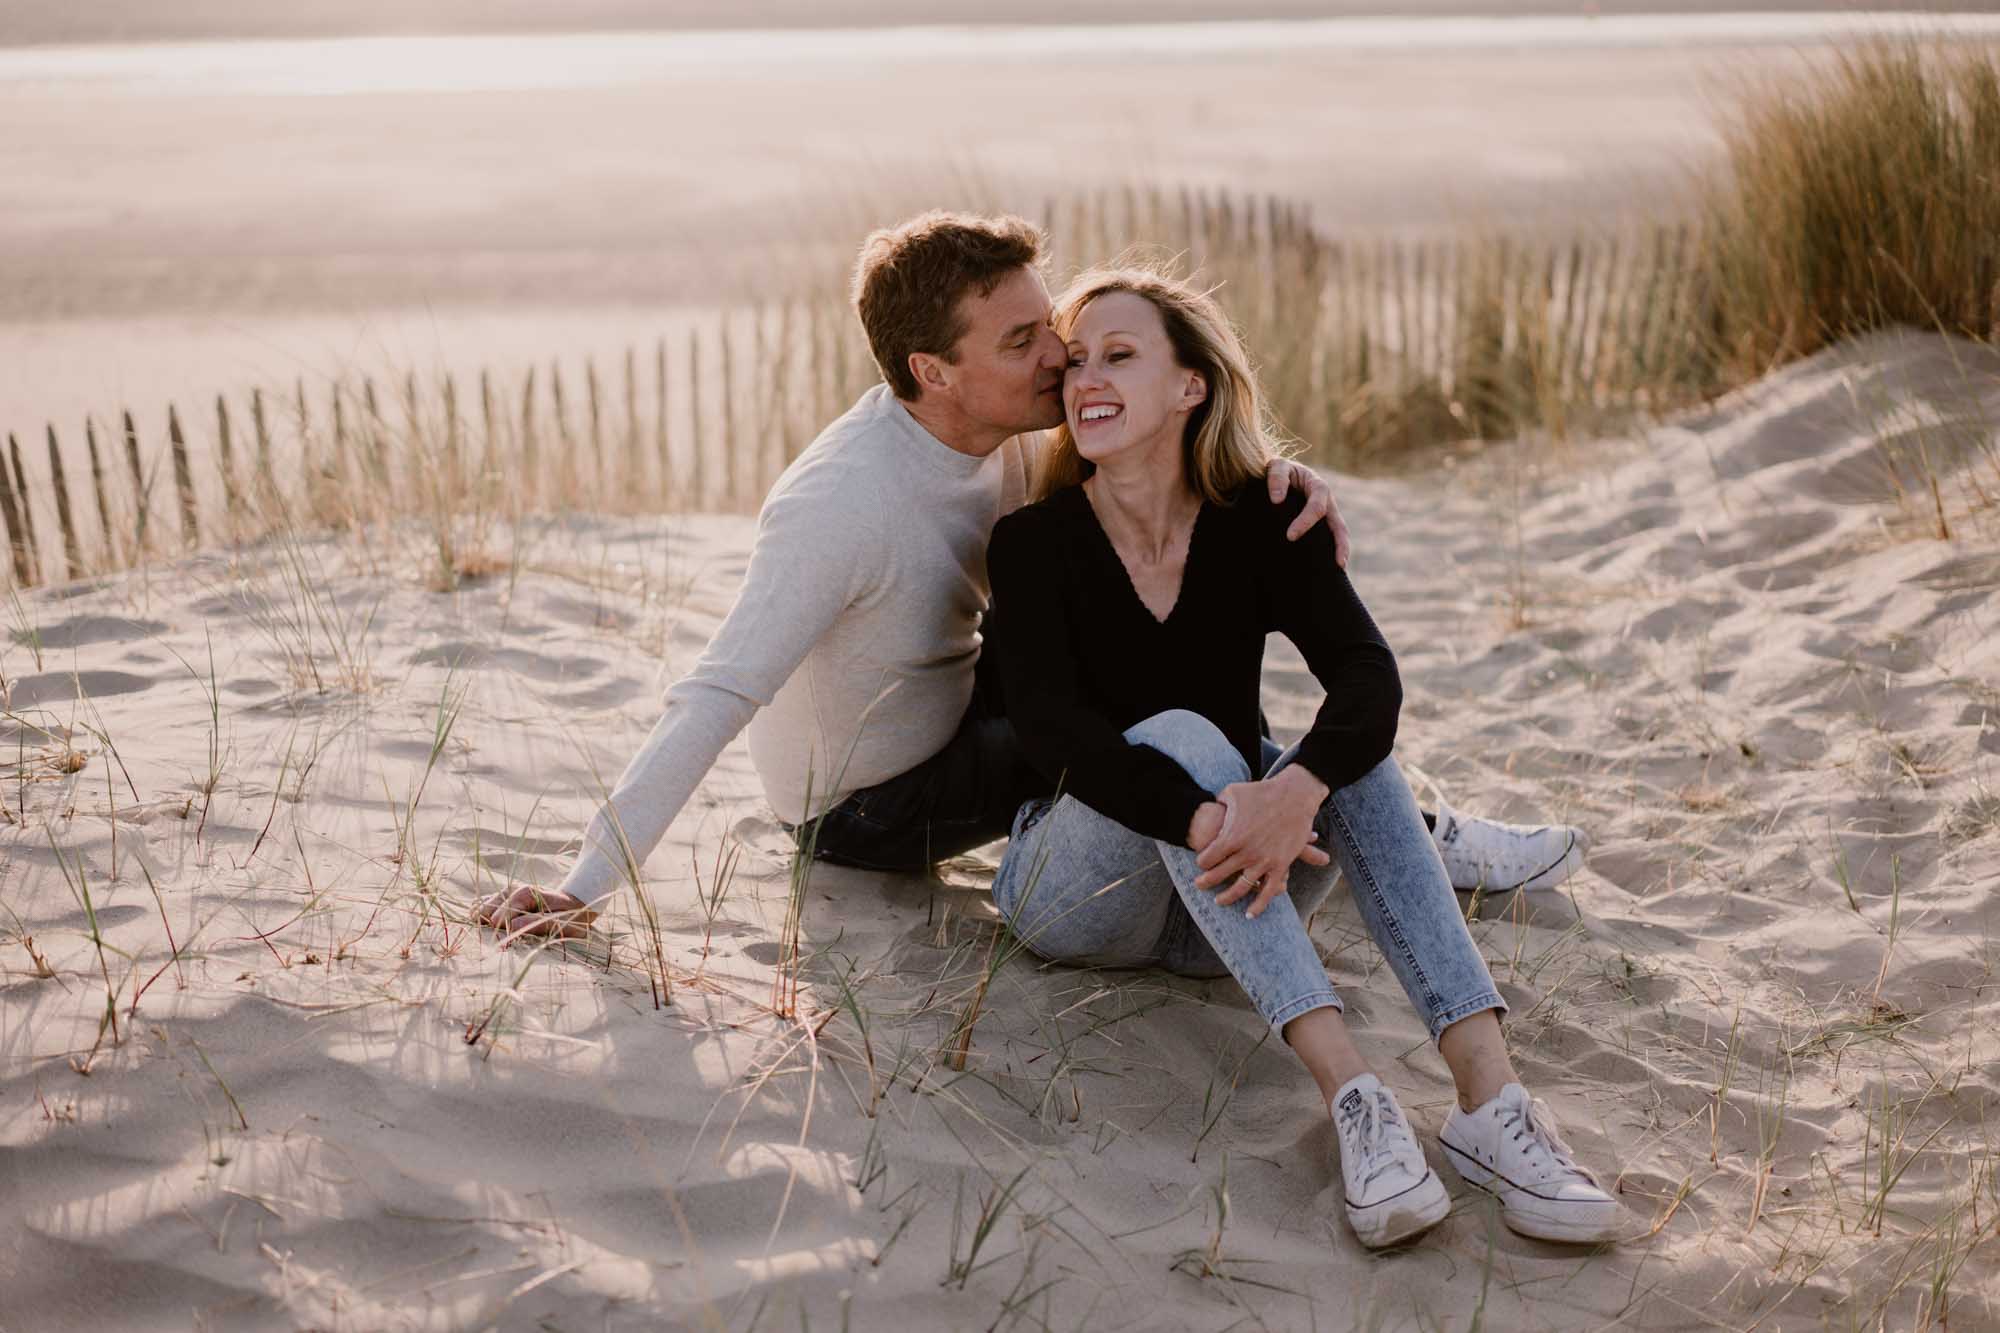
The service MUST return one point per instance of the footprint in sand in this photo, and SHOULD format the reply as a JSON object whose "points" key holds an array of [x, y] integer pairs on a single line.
{"points": [[535, 666], [82, 631], [57, 687]]}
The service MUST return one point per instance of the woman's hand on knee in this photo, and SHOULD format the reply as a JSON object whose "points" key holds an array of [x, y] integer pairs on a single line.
{"points": [[1266, 827], [1208, 819]]}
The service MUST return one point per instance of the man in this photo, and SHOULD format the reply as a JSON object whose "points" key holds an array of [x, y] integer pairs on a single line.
{"points": [[851, 652]]}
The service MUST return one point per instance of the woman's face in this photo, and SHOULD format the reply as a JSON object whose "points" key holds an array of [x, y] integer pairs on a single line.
{"points": [[1123, 389]]}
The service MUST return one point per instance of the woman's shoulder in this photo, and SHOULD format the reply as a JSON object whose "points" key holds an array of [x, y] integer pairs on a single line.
{"points": [[1027, 532], [1250, 506], [1055, 511]]}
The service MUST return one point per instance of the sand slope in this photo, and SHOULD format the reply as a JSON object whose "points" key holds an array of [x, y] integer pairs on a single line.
{"points": [[1769, 692]]}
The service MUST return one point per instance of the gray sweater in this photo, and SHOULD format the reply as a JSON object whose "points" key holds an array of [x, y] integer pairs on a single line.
{"points": [[849, 652]]}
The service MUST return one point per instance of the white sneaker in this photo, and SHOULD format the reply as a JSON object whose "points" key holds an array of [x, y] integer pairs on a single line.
{"points": [[1392, 1193], [1510, 1148], [1499, 858]]}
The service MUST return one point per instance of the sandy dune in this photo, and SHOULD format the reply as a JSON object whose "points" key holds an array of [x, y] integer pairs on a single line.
{"points": [[1767, 689]]}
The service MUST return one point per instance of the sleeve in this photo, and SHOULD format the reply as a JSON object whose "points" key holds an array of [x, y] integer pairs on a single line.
{"points": [[1067, 741], [815, 555], [1312, 603]]}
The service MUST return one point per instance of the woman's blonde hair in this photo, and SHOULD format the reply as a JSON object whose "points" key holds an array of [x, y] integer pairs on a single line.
{"points": [[1227, 441]]}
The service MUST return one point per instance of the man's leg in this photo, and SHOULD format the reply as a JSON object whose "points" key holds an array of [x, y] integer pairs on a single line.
{"points": [[963, 796]]}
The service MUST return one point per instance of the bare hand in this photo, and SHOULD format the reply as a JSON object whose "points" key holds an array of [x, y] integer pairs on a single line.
{"points": [[1268, 826], [1286, 474], [526, 910], [1208, 820]]}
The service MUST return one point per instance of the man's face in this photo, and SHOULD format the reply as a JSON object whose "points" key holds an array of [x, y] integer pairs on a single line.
{"points": [[1009, 373]]}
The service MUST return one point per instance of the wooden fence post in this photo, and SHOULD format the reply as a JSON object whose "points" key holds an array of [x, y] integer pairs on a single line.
{"points": [[225, 460], [1660, 302], [334, 472], [183, 480], [731, 477], [1568, 329], [72, 553], [596, 490], [630, 483], [413, 441], [267, 481], [111, 558], [531, 491], [700, 482], [790, 438], [141, 493], [17, 531], [660, 419], [378, 437], [453, 464], [487, 428], [1418, 302], [308, 485], [566, 465]]}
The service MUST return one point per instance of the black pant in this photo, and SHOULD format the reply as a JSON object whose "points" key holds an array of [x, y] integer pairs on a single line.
{"points": [[962, 797]]}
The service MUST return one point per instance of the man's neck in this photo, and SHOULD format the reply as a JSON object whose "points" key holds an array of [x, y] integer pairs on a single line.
{"points": [[953, 429]]}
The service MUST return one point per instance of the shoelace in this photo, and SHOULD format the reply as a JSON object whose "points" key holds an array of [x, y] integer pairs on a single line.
{"points": [[1366, 1122], [1538, 1127]]}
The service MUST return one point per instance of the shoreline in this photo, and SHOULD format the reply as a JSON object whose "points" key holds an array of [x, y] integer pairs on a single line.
{"points": [[41, 23]]}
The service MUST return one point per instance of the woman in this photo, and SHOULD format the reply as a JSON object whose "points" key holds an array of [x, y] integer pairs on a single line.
{"points": [[1136, 594]]}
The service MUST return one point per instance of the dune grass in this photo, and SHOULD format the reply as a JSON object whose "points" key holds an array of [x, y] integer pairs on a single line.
{"points": [[1864, 197]]}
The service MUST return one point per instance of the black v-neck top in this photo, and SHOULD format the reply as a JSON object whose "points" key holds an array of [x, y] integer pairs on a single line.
{"points": [[1080, 657]]}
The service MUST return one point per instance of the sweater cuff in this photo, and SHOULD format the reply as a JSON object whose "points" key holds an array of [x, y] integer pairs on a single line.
{"points": [[1333, 762], [1183, 815]]}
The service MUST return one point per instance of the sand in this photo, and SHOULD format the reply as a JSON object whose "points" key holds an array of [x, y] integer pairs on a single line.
{"points": [[1764, 685]]}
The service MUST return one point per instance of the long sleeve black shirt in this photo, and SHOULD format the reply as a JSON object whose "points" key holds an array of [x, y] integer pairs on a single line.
{"points": [[1080, 658]]}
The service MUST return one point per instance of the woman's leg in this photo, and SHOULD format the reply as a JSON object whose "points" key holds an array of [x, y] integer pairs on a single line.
{"points": [[1500, 1139], [1079, 888], [1087, 863], [1375, 832], [1270, 957]]}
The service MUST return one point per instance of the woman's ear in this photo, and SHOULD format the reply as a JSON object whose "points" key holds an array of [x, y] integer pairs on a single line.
{"points": [[1195, 392]]}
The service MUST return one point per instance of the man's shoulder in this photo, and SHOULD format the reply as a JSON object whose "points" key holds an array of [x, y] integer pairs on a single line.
{"points": [[840, 470]]}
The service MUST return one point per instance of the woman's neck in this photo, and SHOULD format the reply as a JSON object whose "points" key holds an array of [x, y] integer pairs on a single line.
{"points": [[1143, 504]]}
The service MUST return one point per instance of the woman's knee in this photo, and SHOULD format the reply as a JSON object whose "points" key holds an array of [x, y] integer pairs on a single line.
{"points": [[1195, 743]]}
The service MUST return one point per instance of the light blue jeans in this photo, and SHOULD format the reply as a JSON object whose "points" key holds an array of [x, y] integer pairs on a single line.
{"points": [[1082, 889]]}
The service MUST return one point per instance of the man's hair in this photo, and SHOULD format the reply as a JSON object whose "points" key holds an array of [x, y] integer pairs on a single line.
{"points": [[909, 280]]}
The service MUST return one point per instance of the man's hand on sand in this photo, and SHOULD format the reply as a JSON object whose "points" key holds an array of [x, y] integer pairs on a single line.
{"points": [[1287, 474], [526, 910]]}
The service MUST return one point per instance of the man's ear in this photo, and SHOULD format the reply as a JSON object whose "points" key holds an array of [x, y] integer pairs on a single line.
{"points": [[931, 373]]}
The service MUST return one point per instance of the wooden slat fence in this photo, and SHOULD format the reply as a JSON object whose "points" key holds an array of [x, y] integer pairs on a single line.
{"points": [[1367, 346]]}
